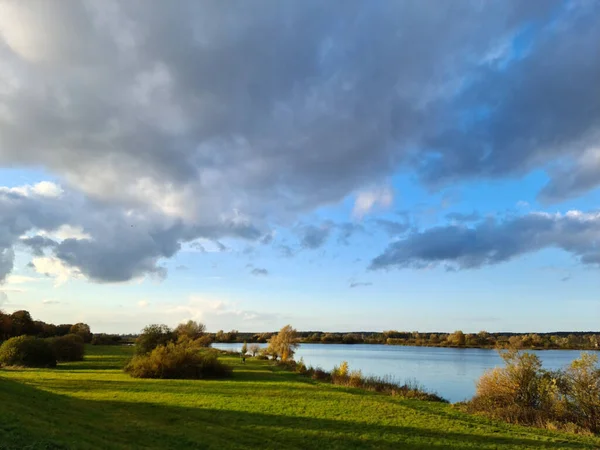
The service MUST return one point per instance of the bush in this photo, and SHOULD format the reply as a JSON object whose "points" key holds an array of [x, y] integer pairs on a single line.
{"points": [[68, 348], [177, 361], [27, 351], [524, 393]]}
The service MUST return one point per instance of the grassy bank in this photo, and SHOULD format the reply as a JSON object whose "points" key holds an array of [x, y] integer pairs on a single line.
{"points": [[92, 404]]}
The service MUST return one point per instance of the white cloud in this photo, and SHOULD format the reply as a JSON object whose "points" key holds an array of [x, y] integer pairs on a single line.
{"points": [[49, 301], [367, 200], [3, 298], [66, 232], [143, 303], [55, 268], [42, 189], [20, 279]]}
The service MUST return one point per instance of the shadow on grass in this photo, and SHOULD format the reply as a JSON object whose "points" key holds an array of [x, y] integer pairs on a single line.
{"points": [[35, 419]]}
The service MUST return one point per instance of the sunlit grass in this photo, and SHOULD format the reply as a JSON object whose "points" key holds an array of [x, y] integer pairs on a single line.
{"points": [[92, 404]]}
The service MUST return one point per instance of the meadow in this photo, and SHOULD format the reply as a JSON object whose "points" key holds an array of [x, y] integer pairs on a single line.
{"points": [[93, 404]]}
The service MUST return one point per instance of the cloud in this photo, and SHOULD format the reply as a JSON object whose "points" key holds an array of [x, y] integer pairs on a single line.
{"points": [[3, 298], [37, 244], [360, 284], [347, 230], [258, 272], [494, 241], [49, 301], [170, 123], [391, 227], [461, 217], [286, 251], [55, 268], [313, 237], [182, 267], [143, 303], [366, 201], [20, 279]]}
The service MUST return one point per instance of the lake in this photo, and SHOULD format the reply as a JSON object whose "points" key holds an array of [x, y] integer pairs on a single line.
{"points": [[450, 372]]}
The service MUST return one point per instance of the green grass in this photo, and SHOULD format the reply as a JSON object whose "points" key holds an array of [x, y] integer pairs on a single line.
{"points": [[94, 405]]}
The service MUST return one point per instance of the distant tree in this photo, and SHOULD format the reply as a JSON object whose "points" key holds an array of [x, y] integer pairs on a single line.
{"points": [[284, 343], [153, 336], [244, 348], [63, 329], [191, 330], [6, 327], [434, 339], [254, 349], [83, 330], [220, 336], [22, 323], [457, 339]]}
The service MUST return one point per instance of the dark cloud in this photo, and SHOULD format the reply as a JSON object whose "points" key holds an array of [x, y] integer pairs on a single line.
{"points": [[313, 237], [258, 272], [391, 227], [182, 267], [347, 230], [172, 122], [286, 251], [360, 284], [267, 238], [461, 217], [37, 244], [494, 241]]}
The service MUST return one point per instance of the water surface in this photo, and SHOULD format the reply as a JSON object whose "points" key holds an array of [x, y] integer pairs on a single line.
{"points": [[450, 372]]}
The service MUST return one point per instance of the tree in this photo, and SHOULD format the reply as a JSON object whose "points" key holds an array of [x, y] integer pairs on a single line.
{"points": [[83, 330], [284, 343], [22, 323], [6, 326], [244, 348], [191, 330], [153, 336], [457, 338], [254, 349]]}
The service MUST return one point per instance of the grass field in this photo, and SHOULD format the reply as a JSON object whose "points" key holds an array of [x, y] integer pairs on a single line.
{"points": [[94, 405]]}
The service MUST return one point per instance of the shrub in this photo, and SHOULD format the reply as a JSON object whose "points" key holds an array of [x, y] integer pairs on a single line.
{"points": [[27, 351], [522, 392], [177, 361], [68, 348], [581, 388]]}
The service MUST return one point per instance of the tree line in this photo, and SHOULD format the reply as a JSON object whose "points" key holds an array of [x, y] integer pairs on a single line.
{"points": [[483, 339], [20, 323]]}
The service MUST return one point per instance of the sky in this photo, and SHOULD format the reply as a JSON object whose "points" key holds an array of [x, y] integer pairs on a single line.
{"points": [[341, 165]]}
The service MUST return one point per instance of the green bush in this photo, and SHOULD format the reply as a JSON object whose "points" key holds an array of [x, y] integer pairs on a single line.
{"points": [[27, 351], [182, 360], [68, 348]]}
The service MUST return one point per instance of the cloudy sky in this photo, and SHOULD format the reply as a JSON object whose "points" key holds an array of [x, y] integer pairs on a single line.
{"points": [[339, 165]]}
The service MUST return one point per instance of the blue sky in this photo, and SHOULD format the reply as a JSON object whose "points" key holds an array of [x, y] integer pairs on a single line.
{"points": [[389, 166]]}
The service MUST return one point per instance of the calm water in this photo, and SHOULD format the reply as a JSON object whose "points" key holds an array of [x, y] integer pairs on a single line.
{"points": [[452, 373]]}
